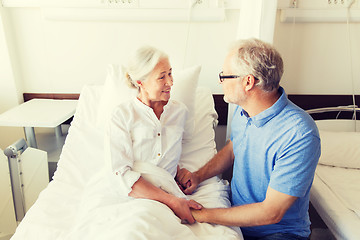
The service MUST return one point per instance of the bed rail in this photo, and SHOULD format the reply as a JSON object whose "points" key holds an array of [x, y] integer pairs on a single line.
{"points": [[349, 108], [13, 152]]}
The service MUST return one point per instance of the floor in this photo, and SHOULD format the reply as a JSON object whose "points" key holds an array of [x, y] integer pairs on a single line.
{"points": [[319, 230], [321, 234], [47, 141]]}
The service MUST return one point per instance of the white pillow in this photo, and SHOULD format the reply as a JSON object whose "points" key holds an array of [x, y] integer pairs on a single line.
{"points": [[116, 91], [184, 88], [201, 148], [340, 149]]}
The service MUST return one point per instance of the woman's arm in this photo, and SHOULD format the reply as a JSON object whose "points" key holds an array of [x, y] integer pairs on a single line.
{"points": [[181, 207]]}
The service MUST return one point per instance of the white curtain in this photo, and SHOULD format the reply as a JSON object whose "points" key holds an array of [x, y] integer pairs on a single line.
{"points": [[257, 19]]}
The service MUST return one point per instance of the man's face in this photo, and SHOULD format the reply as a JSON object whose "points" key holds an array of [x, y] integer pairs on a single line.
{"points": [[233, 88]]}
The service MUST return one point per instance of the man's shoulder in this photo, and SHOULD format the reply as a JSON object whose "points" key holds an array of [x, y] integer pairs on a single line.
{"points": [[298, 118]]}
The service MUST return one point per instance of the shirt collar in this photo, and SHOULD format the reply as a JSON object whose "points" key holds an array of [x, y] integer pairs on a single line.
{"points": [[266, 115], [141, 104], [146, 107]]}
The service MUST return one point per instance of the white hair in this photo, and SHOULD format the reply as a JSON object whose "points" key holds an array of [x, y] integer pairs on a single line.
{"points": [[259, 59], [141, 64]]}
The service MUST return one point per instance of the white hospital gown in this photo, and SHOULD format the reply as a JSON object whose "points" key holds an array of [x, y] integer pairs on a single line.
{"points": [[136, 134]]}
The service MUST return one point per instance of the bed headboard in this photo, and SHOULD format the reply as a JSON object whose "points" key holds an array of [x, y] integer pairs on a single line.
{"points": [[220, 105], [305, 101], [29, 96]]}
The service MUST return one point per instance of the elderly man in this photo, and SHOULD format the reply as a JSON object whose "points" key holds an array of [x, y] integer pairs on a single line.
{"points": [[274, 149]]}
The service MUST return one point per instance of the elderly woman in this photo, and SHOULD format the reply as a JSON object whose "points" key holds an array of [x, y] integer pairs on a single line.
{"points": [[135, 195], [148, 128]]}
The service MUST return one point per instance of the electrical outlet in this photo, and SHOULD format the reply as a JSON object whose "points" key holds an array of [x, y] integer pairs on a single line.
{"points": [[201, 3], [339, 3], [121, 3]]}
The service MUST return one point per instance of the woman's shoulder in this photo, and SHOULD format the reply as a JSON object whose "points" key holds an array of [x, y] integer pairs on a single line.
{"points": [[177, 104], [125, 106]]}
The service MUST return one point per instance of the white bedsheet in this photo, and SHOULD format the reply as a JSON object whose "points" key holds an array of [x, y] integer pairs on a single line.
{"points": [[54, 214], [335, 192], [332, 196], [344, 183], [109, 217]]}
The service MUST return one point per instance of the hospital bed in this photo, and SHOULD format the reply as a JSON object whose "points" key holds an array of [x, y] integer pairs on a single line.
{"points": [[55, 212], [335, 192]]}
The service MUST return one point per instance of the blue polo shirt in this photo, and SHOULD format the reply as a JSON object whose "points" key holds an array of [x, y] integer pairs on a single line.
{"points": [[280, 148]]}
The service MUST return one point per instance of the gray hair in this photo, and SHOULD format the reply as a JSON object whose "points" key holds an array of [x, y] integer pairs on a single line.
{"points": [[141, 64], [259, 59]]}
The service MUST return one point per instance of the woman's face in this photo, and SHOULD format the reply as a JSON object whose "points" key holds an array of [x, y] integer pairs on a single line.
{"points": [[158, 84]]}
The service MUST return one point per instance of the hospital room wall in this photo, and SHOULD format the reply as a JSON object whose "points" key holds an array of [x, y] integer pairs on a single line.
{"points": [[10, 85], [320, 58], [62, 56]]}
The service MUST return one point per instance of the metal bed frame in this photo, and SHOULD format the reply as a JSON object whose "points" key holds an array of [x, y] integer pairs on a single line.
{"points": [[13, 153]]}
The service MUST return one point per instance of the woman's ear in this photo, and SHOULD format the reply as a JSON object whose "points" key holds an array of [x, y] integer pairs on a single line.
{"points": [[139, 82]]}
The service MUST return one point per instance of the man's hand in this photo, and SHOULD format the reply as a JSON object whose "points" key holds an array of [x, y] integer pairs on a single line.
{"points": [[182, 208], [198, 215], [187, 180]]}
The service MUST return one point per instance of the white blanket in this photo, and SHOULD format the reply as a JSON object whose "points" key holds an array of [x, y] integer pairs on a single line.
{"points": [[116, 217]]}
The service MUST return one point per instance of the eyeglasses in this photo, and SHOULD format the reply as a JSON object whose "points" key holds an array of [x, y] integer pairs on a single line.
{"points": [[222, 77]]}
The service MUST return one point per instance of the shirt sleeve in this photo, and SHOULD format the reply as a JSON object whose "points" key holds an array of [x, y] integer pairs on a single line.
{"points": [[295, 168], [119, 154]]}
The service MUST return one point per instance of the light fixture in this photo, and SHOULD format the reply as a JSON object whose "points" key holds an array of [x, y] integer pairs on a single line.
{"points": [[126, 10], [319, 15], [134, 15]]}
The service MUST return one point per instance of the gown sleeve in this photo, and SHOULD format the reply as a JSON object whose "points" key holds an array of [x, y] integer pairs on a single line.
{"points": [[119, 156]]}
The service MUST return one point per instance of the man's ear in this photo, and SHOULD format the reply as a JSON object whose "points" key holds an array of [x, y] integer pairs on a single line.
{"points": [[249, 82]]}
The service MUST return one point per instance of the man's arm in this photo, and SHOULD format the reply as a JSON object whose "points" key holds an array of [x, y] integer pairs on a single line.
{"points": [[270, 211], [218, 164]]}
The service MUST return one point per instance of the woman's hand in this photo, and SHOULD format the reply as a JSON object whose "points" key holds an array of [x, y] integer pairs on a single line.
{"points": [[187, 180], [182, 208]]}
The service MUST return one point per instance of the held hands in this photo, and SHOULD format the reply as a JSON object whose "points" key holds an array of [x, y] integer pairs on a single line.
{"points": [[198, 215], [182, 208], [187, 180]]}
